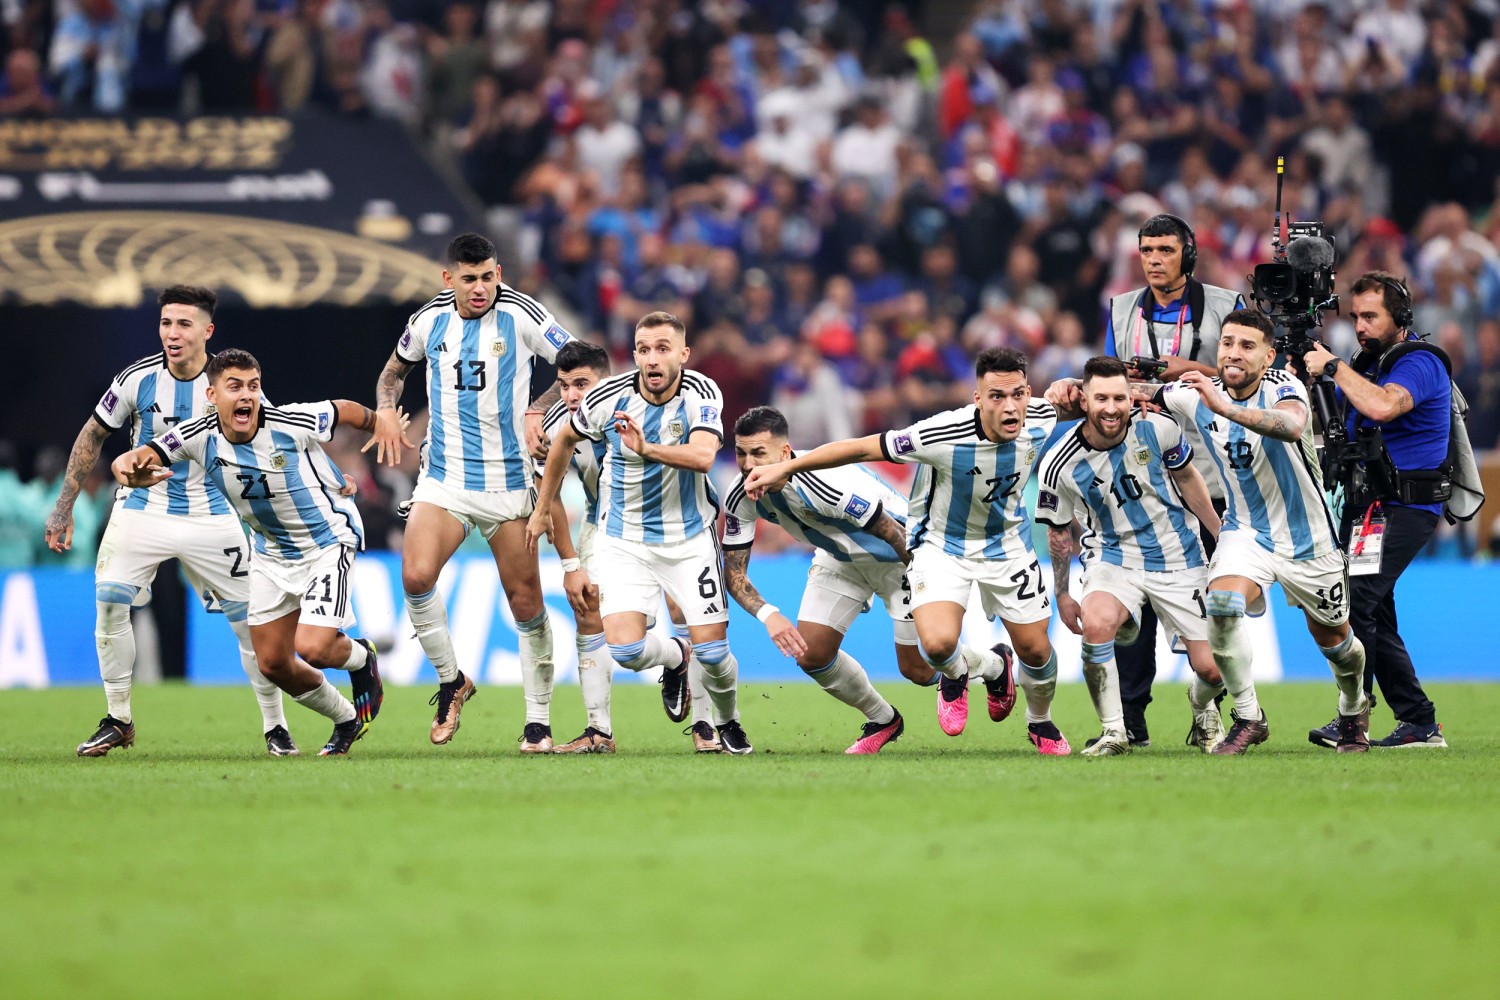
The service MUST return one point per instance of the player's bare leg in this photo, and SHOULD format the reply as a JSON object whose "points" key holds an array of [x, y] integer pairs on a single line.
{"points": [[522, 580], [1227, 599], [276, 649], [329, 649], [432, 536], [1206, 685]]}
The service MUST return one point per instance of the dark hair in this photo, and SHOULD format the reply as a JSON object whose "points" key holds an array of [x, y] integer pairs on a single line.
{"points": [[762, 419], [228, 358], [1253, 318], [578, 354], [189, 295], [1393, 292], [660, 318], [999, 359], [1105, 367], [470, 248]]}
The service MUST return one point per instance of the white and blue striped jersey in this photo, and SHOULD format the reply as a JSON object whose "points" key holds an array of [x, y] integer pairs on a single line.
{"points": [[154, 401], [829, 510], [479, 385], [968, 495], [1133, 516], [280, 482], [587, 460], [643, 501], [1273, 488]]}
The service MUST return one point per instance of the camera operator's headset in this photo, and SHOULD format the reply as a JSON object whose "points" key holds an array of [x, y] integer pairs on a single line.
{"points": [[1189, 263]]}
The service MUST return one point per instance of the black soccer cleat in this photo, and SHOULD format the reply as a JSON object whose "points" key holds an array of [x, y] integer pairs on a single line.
{"points": [[732, 737], [1135, 726], [112, 733], [369, 692], [345, 735], [1242, 735], [675, 698], [1325, 736], [279, 743]]}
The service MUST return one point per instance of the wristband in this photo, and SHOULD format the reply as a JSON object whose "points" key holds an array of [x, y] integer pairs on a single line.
{"points": [[572, 565], [766, 611]]}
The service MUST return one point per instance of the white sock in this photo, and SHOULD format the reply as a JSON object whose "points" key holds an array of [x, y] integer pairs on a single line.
{"points": [[327, 700], [115, 642], [1347, 660], [721, 680], [981, 664], [1040, 684], [267, 694], [359, 655], [594, 668], [1235, 657], [847, 681], [536, 667], [430, 619], [702, 707], [1201, 693], [654, 651], [954, 668], [1102, 675]]}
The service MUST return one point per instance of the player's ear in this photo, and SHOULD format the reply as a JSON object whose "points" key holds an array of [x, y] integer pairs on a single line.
{"points": [[447, 278]]}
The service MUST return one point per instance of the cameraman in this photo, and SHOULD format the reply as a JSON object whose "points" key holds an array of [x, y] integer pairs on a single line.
{"points": [[1410, 400], [1174, 318]]}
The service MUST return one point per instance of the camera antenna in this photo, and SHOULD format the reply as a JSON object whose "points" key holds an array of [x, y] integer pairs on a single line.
{"points": [[1278, 232]]}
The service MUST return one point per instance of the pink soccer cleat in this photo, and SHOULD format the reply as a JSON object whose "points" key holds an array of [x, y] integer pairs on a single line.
{"points": [[1048, 739], [953, 704], [877, 735], [1001, 692]]}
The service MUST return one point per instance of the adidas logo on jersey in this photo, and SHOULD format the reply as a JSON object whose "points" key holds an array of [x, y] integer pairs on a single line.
{"points": [[973, 472], [712, 609], [153, 408]]}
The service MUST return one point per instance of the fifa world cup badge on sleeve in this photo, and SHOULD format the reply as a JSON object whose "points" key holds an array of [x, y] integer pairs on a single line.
{"points": [[1286, 392], [709, 414], [1046, 500], [903, 444], [171, 442], [110, 401]]}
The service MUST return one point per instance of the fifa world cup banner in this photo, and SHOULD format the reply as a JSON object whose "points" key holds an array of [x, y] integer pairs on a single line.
{"points": [[47, 625]]}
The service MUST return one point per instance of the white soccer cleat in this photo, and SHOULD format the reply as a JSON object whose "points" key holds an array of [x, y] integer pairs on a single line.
{"points": [[1208, 729], [1110, 743]]}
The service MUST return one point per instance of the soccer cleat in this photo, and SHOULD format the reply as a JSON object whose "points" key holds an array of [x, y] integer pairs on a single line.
{"points": [[279, 743], [1354, 732], [1135, 726], [732, 737], [535, 738], [1242, 735], [675, 697], [705, 740], [112, 733], [1109, 743], [592, 741], [1325, 736], [1409, 734], [1048, 739], [953, 704], [1207, 729], [369, 692], [450, 700], [1000, 693], [345, 735], [877, 734]]}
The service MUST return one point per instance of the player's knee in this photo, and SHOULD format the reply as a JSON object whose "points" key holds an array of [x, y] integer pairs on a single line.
{"points": [[939, 650], [418, 579], [915, 669], [630, 655], [111, 617], [1028, 650], [1224, 607], [818, 656], [712, 654], [1096, 631], [320, 651], [276, 669]]}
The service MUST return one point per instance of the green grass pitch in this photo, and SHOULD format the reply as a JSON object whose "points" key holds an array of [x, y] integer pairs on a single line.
{"points": [[193, 866]]}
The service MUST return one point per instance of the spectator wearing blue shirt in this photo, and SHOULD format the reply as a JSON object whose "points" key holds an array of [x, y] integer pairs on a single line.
{"points": [[1410, 398]]}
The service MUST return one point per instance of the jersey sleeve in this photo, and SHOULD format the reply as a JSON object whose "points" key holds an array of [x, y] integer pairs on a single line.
{"points": [[1056, 494], [536, 326], [117, 403], [1041, 415], [412, 347], [1291, 388], [836, 494], [1175, 450], [922, 439], [1420, 374], [706, 411], [185, 442], [591, 421], [311, 422], [739, 517], [1178, 400]]}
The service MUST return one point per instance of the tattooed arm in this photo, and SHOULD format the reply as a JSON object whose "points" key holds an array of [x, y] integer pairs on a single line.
{"points": [[536, 441], [1060, 551], [889, 530], [389, 438], [1285, 421], [81, 462], [736, 580]]}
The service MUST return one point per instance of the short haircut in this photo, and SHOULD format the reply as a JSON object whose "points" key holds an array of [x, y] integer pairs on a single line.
{"points": [[1105, 367], [1388, 285], [1166, 225], [470, 248], [660, 318], [189, 295], [578, 354], [1253, 318], [228, 358], [999, 359], [760, 420]]}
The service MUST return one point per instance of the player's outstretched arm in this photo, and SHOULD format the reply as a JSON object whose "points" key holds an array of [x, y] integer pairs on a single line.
{"points": [[826, 456], [388, 436], [558, 457], [1060, 551], [143, 466], [80, 463], [1195, 494], [737, 581], [889, 530]]}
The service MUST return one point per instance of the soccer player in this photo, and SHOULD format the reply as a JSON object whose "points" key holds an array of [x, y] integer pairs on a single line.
{"points": [[184, 518], [1139, 546], [968, 528], [858, 526], [480, 339], [269, 462], [661, 426], [1277, 526]]}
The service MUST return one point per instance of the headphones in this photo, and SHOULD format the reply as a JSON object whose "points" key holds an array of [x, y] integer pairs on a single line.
{"points": [[1401, 315], [1184, 233]]}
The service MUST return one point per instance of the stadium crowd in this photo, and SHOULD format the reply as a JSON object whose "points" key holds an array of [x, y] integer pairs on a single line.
{"points": [[843, 208]]}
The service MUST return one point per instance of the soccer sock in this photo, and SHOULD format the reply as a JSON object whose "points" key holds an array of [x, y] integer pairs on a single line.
{"points": [[1103, 678], [267, 694], [1232, 650], [721, 674], [430, 619], [847, 681], [983, 665], [1039, 683], [1201, 693], [536, 667], [594, 666], [115, 641], [359, 655], [680, 631], [954, 668], [327, 700], [652, 651], [702, 707], [1347, 660]]}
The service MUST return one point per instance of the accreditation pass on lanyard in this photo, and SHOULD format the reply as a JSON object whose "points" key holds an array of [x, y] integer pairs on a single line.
{"points": [[1366, 545]]}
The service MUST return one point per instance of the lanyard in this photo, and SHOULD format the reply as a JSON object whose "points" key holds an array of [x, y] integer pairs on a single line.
{"points": [[1142, 321], [1364, 531]]}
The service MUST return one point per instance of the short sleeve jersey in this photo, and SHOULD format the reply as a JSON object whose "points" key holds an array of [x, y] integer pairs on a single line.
{"points": [[831, 510]]}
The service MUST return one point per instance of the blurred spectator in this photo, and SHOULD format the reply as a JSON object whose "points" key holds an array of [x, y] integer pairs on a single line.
{"points": [[227, 63], [90, 56], [1064, 356], [455, 59], [1479, 380], [605, 144], [23, 94], [810, 393], [866, 147]]}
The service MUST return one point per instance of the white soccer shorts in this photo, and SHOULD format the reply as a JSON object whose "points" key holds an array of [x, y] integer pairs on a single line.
{"points": [[1009, 589], [214, 553], [319, 584], [839, 592], [478, 510], [1177, 596], [690, 572], [1318, 586]]}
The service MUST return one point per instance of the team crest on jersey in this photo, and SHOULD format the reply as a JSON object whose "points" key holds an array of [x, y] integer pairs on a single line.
{"points": [[110, 401], [857, 506], [498, 348], [1030, 455], [556, 335], [1143, 456], [674, 428], [903, 444], [278, 460]]}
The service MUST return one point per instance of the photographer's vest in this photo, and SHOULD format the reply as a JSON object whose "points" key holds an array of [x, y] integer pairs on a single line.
{"points": [[1196, 339]]}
